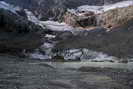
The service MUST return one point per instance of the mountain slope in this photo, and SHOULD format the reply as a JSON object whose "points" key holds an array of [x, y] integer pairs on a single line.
{"points": [[54, 9], [16, 31]]}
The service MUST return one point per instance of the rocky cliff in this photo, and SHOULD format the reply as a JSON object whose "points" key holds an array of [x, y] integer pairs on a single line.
{"points": [[16, 31], [107, 16]]}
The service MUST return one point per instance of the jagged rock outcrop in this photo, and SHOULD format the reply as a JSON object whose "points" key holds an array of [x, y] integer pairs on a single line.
{"points": [[17, 33]]}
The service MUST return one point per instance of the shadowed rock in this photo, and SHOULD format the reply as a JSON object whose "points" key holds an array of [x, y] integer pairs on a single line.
{"points": [[17, 33]]}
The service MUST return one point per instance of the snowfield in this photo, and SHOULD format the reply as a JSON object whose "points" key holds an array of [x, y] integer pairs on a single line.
{"points": [[118, 5], [101, 9]]}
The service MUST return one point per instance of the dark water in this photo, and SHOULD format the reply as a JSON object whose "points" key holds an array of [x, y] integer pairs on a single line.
{"points": [[16, 73]]}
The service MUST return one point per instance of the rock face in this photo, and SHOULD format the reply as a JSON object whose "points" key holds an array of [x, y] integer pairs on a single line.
{"points": [[105, 16], [86, 19], [54, 9], [17, 33], [116, 17]]}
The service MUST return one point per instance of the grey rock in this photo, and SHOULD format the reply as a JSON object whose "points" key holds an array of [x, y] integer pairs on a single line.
{"points": [[16, 32]]}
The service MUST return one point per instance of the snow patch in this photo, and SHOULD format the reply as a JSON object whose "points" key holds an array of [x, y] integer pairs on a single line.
{"points": [[118, 5], [32, 17], [9, 7], [50, 36], [45, 53], [85, 8], [56, 26], [104, 8]]}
